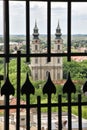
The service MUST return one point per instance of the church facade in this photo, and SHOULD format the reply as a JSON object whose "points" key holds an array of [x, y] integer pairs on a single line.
{"points": [[39, 65]]}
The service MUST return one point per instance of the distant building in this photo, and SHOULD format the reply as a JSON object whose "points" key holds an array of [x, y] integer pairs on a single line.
{"points": [[79, 58], [39, 65]]}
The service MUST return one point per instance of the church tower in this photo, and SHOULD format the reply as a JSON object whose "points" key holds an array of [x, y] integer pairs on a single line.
{"points": [[58, 47], [58, 40], [36, 40], [35, 47]]}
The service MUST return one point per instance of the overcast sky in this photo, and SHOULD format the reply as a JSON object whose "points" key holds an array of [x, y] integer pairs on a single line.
{"points": [[38, 12]]}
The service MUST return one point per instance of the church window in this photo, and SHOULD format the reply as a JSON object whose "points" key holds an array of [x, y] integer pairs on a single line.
{"points": [[36, 47], [46, 60], [58, 47], [36, 31], [36, 41], [36, 60], [58, 75], [47, 74], [58, 60], [58, 41], [36, 76]]}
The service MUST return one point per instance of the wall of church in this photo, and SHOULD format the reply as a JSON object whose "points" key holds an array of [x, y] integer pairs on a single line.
{"points": [[40, 67]]}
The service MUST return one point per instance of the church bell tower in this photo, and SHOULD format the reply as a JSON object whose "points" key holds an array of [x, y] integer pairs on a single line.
{"points": [[35, 63], [58, 48], [36, 40], [58, 40]]}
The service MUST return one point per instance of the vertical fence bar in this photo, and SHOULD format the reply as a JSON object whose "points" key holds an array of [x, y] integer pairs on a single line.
{"points": [[27, 30], [48, 29], [27, 89], [39, 112], [69, 112], [49, 112], [6, 59], [79, 113], [6, 29], [28, 112], [6, 124], [18, 91], [59, 113], [69, 31]]}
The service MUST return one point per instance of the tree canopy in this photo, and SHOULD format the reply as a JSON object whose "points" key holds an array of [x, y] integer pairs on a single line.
{"points": [[77, 69]]}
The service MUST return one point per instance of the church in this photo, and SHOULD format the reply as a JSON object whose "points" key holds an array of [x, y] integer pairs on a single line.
{"points": [[39, 65]]}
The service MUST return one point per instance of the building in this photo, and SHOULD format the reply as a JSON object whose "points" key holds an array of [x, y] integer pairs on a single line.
{"points": [[39, 65], [79, 58]]}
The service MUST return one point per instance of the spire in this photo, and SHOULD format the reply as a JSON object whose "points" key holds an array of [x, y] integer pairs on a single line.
{"points": [[35, 31], [58, 31], [36, 24], [58, 25]]}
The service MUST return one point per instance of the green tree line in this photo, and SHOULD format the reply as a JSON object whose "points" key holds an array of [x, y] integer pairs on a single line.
{"points": [[78, 70]]}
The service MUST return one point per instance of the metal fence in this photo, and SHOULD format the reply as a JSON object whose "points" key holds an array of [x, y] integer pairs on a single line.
{"points": [[49, 88]]}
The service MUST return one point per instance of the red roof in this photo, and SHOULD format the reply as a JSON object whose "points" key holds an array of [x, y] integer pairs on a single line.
{"points": [[79, 58], [13, 101]]}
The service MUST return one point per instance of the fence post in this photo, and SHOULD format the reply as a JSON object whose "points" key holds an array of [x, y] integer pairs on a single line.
{"points": [[59, 113], [79, 112], [69, 112], [49, 89], [27, 89], [39, 112], [18, 90], [69, 88], [7, 90]]}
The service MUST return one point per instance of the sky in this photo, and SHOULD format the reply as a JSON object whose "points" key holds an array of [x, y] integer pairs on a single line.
{"points": [[38, 12]]}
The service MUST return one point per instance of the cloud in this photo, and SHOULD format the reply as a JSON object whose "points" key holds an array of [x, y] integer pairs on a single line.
{"points": [[17, 17], [38, 4], [79, 18], [59, 12], [1, 17], [38, 11]]}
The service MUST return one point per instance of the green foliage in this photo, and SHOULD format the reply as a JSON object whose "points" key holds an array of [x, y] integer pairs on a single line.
{"points": [[1, 39], [83, 69], [73, 67], [13, 71], [13, 66], [78, 70], [84, 112], [1, 66]]}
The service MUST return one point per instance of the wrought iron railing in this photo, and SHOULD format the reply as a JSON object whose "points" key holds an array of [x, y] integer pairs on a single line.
{"points": [[49, 88]]}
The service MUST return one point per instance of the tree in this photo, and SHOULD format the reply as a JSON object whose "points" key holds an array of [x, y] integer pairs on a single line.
{"points": [[73, 67], [83, 69]]}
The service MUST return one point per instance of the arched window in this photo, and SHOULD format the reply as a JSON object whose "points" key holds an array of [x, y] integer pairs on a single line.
{"points": [[36, 47], [58, 47], [58, 60], [36, 60], [47, 74]]}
